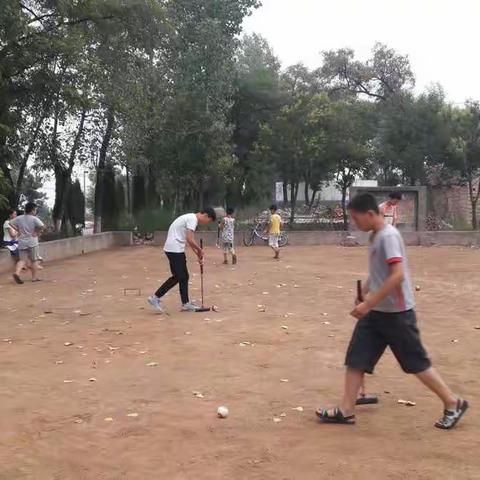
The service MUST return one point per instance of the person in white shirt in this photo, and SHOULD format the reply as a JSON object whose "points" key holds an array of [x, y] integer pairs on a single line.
{"points": [[181, 233], [227, 228], [389, 208], [10, 235]]}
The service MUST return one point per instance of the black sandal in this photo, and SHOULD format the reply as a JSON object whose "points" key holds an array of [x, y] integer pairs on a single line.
{"points": [[364, 399], [337, 417], [451, 417]]}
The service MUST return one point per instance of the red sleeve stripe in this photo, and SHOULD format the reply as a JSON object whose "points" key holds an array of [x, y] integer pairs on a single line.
{"points": [[394, 260]]}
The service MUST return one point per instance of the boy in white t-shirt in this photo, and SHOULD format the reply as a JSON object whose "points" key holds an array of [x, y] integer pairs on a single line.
{"points": [[10, 236], [180, 233], [389, 208]]}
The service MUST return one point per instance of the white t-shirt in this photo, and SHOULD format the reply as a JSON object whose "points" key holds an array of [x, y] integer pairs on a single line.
{"points": [[6, 233], [177, 233]]}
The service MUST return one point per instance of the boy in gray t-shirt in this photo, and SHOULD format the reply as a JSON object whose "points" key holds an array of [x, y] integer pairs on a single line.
{"points": [[29, 227], [386, 319]]}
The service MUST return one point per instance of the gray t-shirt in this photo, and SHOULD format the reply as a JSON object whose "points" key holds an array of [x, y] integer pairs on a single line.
{"points": [[26, 226], [387, 247]]}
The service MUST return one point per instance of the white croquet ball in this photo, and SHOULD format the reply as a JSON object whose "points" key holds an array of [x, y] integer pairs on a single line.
{"points": [[222, 412]]}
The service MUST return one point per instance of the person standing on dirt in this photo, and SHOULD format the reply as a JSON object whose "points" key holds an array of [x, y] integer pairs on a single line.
{"points": [[389, 208], [274, 231], [29, 228], [10, 241], [180, 233], [386, 318], [227, 229]]}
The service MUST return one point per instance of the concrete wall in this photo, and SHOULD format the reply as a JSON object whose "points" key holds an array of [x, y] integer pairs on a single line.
{"points": [[350, 238], [70, 247]]}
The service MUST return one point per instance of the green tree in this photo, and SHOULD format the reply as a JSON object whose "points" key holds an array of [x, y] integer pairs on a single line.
{"points": [[465, 148], [413, 133], [384, 75], [350, 129], [257, 99]]}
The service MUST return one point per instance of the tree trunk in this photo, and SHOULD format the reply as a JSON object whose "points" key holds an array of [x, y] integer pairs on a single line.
{"points": [[201, 193], [307, 196], [99, 184], [285, 192], [65, 176], [59, 180], [344, 205], [474, 197], [293, 201], [312, 200], [129, 198], [26, 157], [152, 200]]}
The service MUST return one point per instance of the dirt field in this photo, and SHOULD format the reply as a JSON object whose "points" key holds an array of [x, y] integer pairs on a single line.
{"points": [[94, 410]]}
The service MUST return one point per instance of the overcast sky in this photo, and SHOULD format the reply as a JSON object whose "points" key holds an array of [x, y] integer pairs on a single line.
{"points": [[439, 36]]}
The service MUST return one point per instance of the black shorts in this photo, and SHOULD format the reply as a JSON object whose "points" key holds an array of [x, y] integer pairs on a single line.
{"points": [[377, 330]]}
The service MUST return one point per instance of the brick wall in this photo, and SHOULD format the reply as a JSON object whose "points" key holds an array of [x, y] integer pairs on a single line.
{"points": [[451, 204]]}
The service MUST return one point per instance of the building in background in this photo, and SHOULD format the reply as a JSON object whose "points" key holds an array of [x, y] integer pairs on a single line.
{"points": [[328, 192]]}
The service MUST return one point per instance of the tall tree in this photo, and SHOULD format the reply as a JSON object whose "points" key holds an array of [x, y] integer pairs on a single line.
{"points": [[384, 75], [350, 129], [465, 146], [257, 99]]}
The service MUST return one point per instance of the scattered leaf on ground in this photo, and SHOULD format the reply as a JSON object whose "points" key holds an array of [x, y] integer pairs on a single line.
{"points": [[152, 364]]}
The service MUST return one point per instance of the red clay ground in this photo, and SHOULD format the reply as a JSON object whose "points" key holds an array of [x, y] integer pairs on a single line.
{"points": [[56, 430]]}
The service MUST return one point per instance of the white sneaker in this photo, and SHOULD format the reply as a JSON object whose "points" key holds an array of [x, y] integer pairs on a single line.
{"points": [[156, 304], [189, 307]]}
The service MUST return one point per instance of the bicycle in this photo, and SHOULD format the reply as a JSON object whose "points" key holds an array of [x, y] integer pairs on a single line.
{"points": [[258, 231]]}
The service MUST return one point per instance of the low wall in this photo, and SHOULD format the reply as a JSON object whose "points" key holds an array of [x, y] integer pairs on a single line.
{"points": [[312, 237], [70, 247]]}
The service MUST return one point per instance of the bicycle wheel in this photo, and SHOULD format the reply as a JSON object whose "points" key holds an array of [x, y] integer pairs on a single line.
{"points": [[283, 239], [249, 238]]}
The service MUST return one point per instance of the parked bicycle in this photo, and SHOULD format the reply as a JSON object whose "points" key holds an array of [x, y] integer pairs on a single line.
{"points": [[257, 231]]}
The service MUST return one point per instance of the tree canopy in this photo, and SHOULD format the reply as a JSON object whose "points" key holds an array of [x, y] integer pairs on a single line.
{"points": [[167, 107]]}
